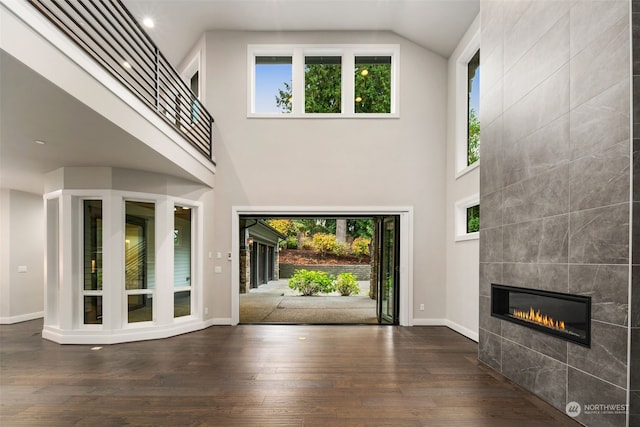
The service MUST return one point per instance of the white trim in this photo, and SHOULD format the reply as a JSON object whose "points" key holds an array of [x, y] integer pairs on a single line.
{"points": [[468, 169], [461, 114], [460, 219], [462, 330], [21, 318], [405, 316], [348, 52], [135, 332], [449, 324]]}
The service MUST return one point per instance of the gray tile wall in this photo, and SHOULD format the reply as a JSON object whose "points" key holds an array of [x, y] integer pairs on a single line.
{"points": [[634, 363], [554, 192]]}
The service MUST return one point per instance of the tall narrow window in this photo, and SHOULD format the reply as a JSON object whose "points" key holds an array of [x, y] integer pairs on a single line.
{"points": [[194, 83], [372, 84], [139, 260], [181, 261], [92, 261], [322, 84], [272, 92], [473, 219], [473, 109]]}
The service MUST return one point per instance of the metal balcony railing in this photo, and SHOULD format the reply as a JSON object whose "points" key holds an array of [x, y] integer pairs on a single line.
{"points": [[108, 32]]}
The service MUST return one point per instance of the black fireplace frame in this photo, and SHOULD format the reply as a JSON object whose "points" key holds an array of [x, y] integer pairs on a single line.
{"points": [[500, 304]]}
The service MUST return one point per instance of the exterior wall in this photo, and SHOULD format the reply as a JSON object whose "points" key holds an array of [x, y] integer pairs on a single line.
{"points": [[389, 162], [363, 272], [554, 189], [22, 248], [462, 256]]}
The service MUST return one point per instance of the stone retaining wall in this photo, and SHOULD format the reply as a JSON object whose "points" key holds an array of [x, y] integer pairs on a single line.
{"points": [[362, 272]]}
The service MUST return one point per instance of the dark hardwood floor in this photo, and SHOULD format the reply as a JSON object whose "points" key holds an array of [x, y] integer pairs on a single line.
{"points": [[253, 375]]}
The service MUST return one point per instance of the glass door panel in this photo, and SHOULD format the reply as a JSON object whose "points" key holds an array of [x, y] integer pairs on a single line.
{"points": [[388, 278]]}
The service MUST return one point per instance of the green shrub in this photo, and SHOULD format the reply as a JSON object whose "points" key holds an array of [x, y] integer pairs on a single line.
{"points": [[324, 243], [341, 249], [292, 242], [347, 284], [309, 282], [360, 246]]}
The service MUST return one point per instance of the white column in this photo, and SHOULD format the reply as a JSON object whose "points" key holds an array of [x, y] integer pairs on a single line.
{"points": [[113, 299], [163, 304], [66, 303], [52, 262]]}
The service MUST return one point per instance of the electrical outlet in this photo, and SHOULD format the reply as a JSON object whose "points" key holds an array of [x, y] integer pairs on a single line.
{"points": [[421, 307]]}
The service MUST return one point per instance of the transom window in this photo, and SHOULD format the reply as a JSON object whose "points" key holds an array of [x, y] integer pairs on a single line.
{"points": [[323, 81]]}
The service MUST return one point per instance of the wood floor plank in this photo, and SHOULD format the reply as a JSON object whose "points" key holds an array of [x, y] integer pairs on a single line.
{"points": [[263, 375]]}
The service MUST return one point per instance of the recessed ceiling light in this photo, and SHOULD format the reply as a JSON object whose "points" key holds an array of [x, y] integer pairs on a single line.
{"points": [[40, 142], [126, 65], [148, 22], [96, 348]]}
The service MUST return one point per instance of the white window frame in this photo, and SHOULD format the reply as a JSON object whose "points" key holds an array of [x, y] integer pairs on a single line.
{"points": [[461, 218], [152, 291], [80, 270], [461, 107], [348, 54]]}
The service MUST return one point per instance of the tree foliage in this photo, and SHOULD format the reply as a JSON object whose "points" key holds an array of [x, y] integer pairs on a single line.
{"points": [[473, 145], [323, 89], [373, 88]]}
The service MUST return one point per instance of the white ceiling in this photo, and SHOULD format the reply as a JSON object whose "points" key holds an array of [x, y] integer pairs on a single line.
{"points": [[437, 25]]}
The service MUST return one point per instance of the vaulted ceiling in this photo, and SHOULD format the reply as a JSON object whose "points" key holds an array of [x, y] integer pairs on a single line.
{"points": [[436, 25]]}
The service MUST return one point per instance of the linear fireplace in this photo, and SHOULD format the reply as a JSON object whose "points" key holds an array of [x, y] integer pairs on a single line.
{"points": [[562, 315]]}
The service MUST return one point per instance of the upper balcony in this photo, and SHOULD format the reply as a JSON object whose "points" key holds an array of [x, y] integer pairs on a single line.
{"points": [[107, 32]]}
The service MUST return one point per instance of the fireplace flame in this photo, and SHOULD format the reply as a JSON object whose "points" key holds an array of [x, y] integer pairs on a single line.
{"points": [[536, 317]]}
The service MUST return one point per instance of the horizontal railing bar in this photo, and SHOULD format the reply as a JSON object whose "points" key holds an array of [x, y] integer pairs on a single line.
{"points": [[147, 55], [110, 34]]}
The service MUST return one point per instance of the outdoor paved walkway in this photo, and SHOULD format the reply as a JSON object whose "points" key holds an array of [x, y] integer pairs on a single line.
{"points": [[275, 302]]}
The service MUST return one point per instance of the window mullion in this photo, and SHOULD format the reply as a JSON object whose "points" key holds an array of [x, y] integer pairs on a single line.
{"points": [[297, 81], [348, 85]]}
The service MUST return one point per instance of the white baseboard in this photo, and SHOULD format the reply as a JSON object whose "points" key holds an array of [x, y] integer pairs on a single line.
{"points": [[217, 321], [430, 322], [449, 324], [21, 318], [462, 330]]}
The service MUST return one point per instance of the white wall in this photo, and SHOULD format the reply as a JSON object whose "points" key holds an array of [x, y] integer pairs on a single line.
{"points": [[21, 246], [462, 264], [333, 162]]}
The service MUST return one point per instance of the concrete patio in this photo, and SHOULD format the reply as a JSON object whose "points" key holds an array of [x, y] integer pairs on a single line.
{"points": [[274, 302]]}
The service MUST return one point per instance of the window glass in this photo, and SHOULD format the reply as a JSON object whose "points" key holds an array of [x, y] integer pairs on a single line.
{"points": [[473, 219], [473, 109], [322, 83], [182, 304], [92, 310], [372, 84], [272, 84], [182, 261]]}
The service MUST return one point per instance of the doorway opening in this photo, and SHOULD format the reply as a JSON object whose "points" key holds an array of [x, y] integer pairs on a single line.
{"points": [[275, 259]]}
